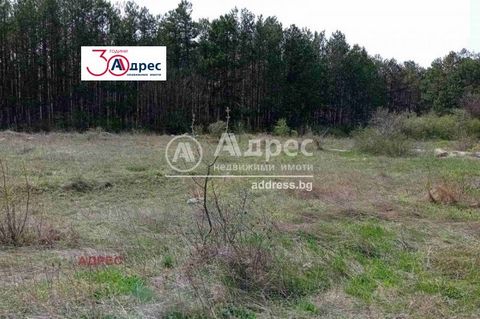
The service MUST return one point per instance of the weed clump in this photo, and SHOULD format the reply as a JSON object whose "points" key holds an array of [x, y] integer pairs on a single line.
{"points": [[281, 128], [384, 136], [372, 141], [457, 125], [17, 226], [217, 129], [451, 192], [239, 248], [391, 134], [443, 194], [81, 185]]}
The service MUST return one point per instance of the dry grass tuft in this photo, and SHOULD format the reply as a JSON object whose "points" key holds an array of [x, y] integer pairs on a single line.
{"points": [[337, 193], [443, 194], [452, 193]]}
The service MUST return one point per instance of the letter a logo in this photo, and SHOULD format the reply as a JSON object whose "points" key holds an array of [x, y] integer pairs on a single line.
{"points": [[184, 151], [118, 64]]}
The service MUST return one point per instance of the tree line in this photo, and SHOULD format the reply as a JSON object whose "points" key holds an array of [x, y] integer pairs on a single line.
{"points": [[258, 68]]}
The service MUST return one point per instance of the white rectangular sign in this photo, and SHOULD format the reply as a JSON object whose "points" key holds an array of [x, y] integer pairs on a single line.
{"points": [[124, 63]]}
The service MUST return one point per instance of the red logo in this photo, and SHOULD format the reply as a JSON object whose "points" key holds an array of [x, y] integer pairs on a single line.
{"points": [[117, 65], [100, 260]]}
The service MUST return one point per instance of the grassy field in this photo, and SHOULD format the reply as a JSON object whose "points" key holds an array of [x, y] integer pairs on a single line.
{"points": [[366, 242]]}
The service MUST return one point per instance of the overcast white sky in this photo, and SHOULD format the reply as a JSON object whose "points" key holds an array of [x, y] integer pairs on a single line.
{"points": [[419, 30]]}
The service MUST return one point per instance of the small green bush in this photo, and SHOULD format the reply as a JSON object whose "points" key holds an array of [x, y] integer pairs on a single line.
{"points": [[168, 261], [447, 127], [431, 126], [217, 128], [372, 141], [473, 128], [384, 136], [281, 128]]}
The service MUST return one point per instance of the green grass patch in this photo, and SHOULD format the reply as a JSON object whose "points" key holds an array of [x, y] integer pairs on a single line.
{"points": [[168, 261], [232, 312], [112, 282], [361, 286], [307, 306]]}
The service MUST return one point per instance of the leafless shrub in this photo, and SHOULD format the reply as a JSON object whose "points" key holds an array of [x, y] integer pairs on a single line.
{"points": [[221, 223], [388, 123], [13, 215], [225, 233], [17, 225]]}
